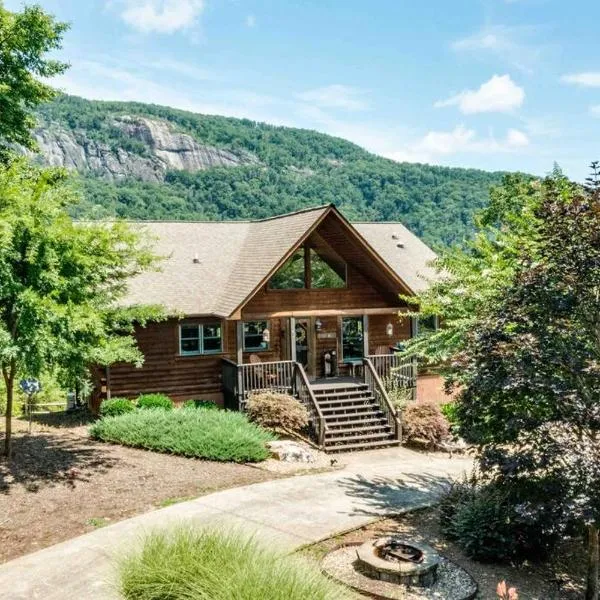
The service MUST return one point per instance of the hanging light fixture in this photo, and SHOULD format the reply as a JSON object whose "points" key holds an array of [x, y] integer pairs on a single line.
{"points": [[389, 330], [266, 335]]}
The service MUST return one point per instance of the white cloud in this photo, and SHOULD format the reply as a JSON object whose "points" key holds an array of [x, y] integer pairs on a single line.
{"points": [[183, 68], [514, 45], [460, 140], [585, 79], [250, 21], [595, 110], [160, 16], [499, 94], [335, 96]]}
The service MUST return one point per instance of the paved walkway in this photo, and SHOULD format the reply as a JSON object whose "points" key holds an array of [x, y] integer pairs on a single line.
{"points": [[287, 512]]}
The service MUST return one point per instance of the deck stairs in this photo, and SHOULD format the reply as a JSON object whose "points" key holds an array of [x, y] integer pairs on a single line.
{"points": [[353, 418]]}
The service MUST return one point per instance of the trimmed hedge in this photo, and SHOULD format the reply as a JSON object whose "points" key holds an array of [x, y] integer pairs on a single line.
{"points": [[197, 565], [210, 434], [116, 406], [155, 401]]}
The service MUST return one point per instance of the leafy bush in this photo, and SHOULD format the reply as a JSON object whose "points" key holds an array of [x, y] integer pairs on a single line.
{"points": [[449, 411], [116, 406], [277, 411], [205, 404], [398, 394], [155, 401], [492, 524], [197, 565], [425, 424], [211, 434]]}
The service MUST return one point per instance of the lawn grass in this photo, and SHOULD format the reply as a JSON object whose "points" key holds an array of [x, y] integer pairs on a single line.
{"points": [[203, 433], [188, 564]]}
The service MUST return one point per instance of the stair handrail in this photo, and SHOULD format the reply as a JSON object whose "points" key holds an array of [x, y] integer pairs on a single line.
{"points": [[375, 384], [320, 424]]}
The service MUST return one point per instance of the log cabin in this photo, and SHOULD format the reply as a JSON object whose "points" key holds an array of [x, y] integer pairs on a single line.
{"points": [[304, 303]]}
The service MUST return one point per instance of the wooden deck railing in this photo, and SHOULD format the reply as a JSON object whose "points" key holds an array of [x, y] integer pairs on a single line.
{"points": [[403, 372], [240, 380], [304, 393], [376, 387]]}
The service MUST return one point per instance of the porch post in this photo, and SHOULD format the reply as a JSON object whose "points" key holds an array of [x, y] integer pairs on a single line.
{"points": [[292, 338], [239, 341], [365, 335]]}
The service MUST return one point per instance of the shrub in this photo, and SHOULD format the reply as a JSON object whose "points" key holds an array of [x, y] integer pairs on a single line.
{"points": [[155, 401], [398, 394], [425, 424], [197, 565], [277, 411], [492, 524], [211, 434], [205, 404], [116, 406], [449, 411]]}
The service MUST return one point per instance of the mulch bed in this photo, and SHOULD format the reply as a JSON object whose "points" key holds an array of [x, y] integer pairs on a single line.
{"points": [[60, 483], [560, 579]]}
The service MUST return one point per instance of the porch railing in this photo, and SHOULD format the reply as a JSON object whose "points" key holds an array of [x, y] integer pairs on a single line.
{"points": [[240, 380], [373, 381], [304, 393]]}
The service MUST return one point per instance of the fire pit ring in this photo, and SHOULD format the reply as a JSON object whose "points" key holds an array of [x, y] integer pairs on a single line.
{"points": [[397, 560]]}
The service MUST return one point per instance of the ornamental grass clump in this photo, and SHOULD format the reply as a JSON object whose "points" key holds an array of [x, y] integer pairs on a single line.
{"points": [[209, 434], [194, 564]]}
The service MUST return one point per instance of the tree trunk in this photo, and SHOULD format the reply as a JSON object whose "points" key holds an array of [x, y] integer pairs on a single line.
{"points": [[591, 591], [9, 381]]}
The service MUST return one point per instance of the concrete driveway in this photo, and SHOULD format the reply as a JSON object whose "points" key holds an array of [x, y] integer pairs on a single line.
{"points": [[286, 512]]}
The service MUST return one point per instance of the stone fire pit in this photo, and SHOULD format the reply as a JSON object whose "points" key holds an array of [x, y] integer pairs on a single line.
{"points": [[396, 560]]}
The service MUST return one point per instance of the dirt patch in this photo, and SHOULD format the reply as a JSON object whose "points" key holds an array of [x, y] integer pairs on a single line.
{"points": [[560, 579], [60, 483]]}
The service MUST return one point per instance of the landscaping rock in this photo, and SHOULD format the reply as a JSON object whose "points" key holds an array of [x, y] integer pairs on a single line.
{"points": [[288, 451]]}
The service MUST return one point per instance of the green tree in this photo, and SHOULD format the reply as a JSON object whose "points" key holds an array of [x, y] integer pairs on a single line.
{"points": [[25, 39], [61, 282]]}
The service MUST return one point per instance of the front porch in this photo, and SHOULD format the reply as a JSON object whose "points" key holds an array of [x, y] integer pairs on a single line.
{"points": [[346, 412]]}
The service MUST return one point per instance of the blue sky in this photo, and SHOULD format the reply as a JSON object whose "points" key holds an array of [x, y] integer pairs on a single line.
{"points": [[492, 84]]}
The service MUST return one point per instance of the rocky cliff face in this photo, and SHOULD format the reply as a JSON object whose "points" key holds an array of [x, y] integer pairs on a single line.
{"points": [[164, 149]]}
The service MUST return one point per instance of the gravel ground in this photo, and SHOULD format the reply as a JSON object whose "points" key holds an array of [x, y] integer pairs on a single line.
{"points": [[453, 583], [559, 579], [60, 483]]}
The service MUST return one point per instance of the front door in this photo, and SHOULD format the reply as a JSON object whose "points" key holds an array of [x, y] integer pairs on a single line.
{"points": [[301, 338]]}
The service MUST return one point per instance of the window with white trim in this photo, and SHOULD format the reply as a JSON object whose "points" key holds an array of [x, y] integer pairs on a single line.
{"points": [[200, 339], [254, 336]]}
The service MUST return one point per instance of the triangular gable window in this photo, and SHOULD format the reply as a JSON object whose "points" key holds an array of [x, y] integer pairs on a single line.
{"points": [[325, 271]]}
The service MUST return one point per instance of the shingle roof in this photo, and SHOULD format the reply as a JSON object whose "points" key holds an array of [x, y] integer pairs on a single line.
{"points": [[212, 267], [402, 250]]}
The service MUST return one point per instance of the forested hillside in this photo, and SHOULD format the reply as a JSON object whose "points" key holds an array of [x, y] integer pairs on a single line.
{"points": [[150, 162]]}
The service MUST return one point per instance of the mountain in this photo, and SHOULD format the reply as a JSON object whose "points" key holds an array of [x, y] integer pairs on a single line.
{"points": [[143, 161]]}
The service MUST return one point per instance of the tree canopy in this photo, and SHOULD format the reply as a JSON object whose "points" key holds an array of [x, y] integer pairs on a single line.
{"points": [[61, 282], [25, 40]]}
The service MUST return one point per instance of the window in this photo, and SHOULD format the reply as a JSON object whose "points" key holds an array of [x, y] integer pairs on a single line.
{"points": [[291, 275], [200, 339], [352, 338], [253, 335], [326, 272], [424, 325]]}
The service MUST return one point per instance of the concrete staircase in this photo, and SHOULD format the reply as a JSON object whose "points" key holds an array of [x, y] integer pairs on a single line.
{"points": [[354, 419]]}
